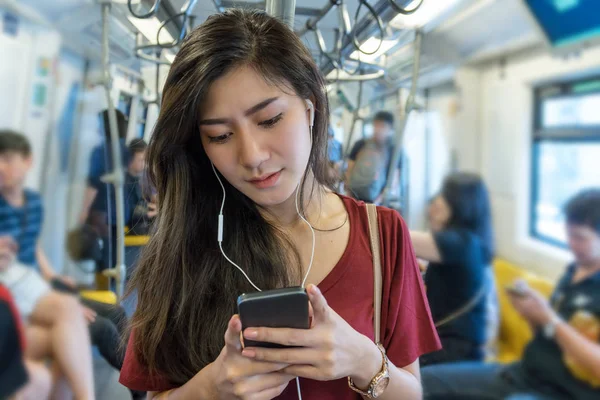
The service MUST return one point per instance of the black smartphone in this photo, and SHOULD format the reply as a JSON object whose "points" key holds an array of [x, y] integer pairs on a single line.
{"points": [[279, 308]]}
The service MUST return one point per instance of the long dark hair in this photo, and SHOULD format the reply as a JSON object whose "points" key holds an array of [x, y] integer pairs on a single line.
{"points": [[186, 290], [469, 202]]}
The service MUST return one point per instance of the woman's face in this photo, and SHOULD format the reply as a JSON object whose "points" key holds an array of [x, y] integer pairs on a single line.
{"points": [[439, 213], [256, 135]]}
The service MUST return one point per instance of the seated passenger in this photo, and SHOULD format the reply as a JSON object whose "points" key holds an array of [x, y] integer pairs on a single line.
{"points": [[55, 327], [21, 217], [99, 197], [459, 248], [19, 378], [563, 359], [142, 211]]}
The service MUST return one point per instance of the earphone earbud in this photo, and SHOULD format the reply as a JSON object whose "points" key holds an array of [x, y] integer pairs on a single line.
{"points": [[311, 108]]}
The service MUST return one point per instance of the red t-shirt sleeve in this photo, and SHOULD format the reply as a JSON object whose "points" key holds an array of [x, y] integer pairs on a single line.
{"points": [[409, 329], [135, 376], [6, 297]]}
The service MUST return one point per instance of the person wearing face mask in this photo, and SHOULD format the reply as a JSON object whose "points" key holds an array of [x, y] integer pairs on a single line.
{"points": [[256, 111], [370, 161], [460, 249]]}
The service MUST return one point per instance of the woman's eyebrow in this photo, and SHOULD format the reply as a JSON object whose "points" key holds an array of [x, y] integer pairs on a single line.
{"points": [[252, 110]]}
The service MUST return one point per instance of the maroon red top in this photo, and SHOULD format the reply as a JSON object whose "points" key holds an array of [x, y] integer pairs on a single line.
{"points": [[407, 328]]}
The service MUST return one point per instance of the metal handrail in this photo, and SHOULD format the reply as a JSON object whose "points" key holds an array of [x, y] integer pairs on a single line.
{"points": [[116, 176], [153, 10], [410, 106]]}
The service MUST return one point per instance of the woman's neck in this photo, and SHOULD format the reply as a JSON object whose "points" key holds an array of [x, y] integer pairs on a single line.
{"points": [[285, 215]]}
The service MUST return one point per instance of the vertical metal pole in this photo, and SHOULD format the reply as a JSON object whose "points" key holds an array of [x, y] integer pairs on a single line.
{"points": [[115, 177], [282, 9], [410, 105]]}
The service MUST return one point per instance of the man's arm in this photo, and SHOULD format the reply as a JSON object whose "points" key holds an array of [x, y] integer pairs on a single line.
{"points": [[349, 170], [538, 312], [352, 158], [579, 348]]}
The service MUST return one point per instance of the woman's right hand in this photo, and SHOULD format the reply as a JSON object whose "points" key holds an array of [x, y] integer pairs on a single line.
{"points": [[240, 378]]}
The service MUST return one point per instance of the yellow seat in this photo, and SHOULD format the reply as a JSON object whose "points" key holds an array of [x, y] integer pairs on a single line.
{"points": [[515, 332], [102, 296], [136, 240]]}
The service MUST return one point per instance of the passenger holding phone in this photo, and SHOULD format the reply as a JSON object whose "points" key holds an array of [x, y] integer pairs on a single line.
{"points": [[239, 162]]}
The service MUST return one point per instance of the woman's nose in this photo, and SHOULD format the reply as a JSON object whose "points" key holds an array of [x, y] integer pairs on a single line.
{"points": [[252, 150]]}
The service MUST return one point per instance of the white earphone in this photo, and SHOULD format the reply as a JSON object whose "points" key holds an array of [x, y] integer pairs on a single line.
{"points": [[311, 108]]}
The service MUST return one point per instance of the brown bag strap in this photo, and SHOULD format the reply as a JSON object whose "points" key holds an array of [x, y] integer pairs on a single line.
{"points": [[377, 281]]}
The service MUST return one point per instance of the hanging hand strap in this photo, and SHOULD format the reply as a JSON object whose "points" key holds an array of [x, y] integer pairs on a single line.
{"points": [[377, 281]]}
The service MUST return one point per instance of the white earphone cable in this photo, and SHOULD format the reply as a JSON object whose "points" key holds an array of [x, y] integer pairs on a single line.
{"points": [[220, 239]]}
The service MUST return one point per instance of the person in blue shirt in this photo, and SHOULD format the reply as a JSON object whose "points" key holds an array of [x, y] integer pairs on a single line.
{"points": [[137, 193], [460, 249], [99, 207]]}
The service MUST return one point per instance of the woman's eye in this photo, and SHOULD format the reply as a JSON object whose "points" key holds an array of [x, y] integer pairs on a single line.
{"points": [[271, 122], [219, 139]]}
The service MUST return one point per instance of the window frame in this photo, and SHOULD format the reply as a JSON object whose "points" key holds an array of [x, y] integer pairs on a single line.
{"points": [[566, 134]]}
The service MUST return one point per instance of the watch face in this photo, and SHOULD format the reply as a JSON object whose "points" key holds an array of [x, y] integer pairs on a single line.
{"points": [[380, 387]]}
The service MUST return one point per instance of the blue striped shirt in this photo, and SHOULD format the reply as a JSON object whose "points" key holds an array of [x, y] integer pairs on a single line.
{"points": [[23, 224]]}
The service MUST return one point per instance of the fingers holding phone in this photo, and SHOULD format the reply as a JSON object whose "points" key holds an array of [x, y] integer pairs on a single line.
{"points": [[518, 288], [239, 377], [530, 304], [329, 350]]}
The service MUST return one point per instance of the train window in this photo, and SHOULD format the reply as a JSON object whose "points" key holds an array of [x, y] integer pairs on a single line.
{"points": [[566, 146]]}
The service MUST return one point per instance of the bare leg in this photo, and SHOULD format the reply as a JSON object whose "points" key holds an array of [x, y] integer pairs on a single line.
{"points": [[69, 340], [61, 386], [39, 385]]}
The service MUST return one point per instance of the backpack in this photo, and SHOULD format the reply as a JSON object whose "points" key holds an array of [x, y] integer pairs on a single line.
{"points": [[369, 175]]}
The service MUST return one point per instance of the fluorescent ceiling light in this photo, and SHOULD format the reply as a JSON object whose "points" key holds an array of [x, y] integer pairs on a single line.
{"points": [[148, 27], [370, 46], [429, 11]]}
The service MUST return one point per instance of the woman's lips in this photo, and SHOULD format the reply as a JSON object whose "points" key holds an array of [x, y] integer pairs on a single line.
{"points": [[266, 181]]}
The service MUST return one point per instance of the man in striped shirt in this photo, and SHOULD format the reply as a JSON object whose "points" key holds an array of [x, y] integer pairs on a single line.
{"points": [[21, 212], [21, 216]]}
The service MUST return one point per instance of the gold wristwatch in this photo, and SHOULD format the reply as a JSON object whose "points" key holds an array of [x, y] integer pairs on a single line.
{"points": [[379, 383]]}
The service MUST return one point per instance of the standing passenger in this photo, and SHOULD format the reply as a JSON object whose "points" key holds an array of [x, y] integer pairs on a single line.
{"points": [[257, 110]]}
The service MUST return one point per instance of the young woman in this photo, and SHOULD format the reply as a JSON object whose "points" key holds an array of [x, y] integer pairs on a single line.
{"points": [[459, 248], [245, 95]]}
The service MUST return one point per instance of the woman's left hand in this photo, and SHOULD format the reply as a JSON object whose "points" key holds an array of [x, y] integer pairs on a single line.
{"points": [[331, 349]]}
